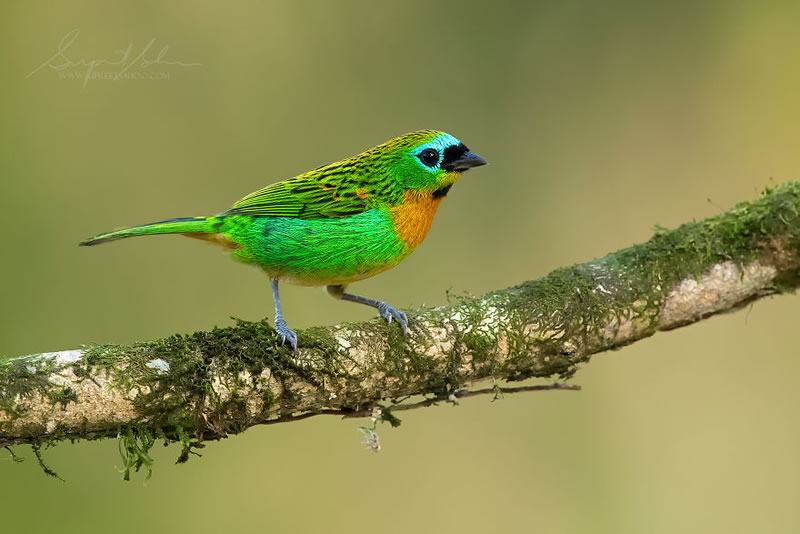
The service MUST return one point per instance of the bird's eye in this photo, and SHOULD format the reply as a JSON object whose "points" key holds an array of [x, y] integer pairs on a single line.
{"points": [[429, 157]]}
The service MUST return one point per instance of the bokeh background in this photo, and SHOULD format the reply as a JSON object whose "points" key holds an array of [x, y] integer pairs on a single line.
{"points": [[599, 120]]}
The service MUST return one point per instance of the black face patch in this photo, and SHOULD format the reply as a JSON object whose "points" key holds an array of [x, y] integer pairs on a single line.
{"points": [[441, 193], [451, 154]]}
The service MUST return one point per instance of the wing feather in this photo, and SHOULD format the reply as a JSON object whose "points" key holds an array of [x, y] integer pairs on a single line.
{"points": [[338, 190]]}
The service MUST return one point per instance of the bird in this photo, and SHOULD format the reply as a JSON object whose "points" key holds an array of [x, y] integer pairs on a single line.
{"points": [[337, 224]]}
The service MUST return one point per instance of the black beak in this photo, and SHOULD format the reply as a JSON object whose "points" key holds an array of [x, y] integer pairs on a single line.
{"points": [[467, 161]]}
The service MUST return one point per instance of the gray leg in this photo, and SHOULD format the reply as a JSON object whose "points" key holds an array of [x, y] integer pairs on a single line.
{"points": [[280, 323], [384, 310]]}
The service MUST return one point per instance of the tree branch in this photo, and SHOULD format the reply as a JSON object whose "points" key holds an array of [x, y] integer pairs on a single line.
{"points": [[206, 385]]}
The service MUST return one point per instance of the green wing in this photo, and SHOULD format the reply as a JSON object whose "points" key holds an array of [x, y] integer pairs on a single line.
{"points": [[338, 190]]}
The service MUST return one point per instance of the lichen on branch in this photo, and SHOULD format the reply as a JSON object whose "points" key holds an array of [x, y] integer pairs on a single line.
{"points": [[206, 385]]}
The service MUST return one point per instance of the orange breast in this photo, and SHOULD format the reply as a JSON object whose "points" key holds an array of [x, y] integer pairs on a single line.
{"points": [[413, 218]]}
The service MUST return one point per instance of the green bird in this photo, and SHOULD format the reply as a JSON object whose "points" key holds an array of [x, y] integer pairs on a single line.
{"points": [[337, 224]]}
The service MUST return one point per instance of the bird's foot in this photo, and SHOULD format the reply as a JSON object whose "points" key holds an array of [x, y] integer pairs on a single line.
{"points": [[285, 333], [388, 312]]}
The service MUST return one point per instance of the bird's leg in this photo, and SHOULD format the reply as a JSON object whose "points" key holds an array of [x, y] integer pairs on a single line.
{"points": [[280, 323], [384, 309]]}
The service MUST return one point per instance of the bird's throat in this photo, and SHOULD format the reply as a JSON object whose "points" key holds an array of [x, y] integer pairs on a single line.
{"points": [[442, 192], [412, 219]]}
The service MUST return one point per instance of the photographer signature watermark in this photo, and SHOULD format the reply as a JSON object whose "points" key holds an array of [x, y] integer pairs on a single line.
{"points": [[123, 65]]}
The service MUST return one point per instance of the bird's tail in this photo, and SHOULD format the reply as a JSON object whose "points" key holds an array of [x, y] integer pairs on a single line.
{"points": [[186, 225]]}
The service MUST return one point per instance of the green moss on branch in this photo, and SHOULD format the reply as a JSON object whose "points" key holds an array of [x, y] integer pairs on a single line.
{"points": [[206, 385]]}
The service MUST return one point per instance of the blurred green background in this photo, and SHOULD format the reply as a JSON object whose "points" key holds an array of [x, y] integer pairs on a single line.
{"points": [[599, 120]]}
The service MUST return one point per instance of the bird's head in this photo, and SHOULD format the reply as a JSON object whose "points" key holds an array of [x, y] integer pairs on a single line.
{"points": [[427, 160]]}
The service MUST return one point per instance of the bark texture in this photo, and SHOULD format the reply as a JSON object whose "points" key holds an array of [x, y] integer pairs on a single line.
{"points": [[206, 385]]}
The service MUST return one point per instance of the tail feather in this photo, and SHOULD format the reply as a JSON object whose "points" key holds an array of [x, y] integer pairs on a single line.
{"points": [[185, 225]]}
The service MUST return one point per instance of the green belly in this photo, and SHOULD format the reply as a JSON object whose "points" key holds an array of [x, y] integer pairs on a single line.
{"points": [[317, 251]]}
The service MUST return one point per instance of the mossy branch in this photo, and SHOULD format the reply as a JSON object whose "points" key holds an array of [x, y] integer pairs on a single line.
{"points": [[206, 385]]}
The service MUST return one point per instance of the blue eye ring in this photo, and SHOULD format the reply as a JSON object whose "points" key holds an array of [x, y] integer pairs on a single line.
{"points": [[429, 157]]}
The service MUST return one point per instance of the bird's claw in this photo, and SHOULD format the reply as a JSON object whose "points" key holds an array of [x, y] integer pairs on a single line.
{"points": [[388, 312], [285, 333]]}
